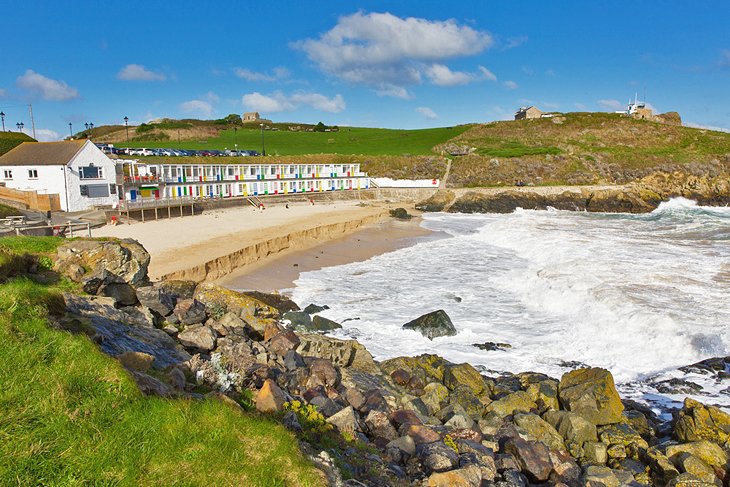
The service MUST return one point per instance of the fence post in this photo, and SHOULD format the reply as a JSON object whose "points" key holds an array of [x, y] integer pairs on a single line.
{"points": [[88, 228], [70, 230]]}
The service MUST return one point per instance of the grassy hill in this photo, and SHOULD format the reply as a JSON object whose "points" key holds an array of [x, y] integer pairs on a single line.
{"points": [[8, 140], [70, 415], [584, 148]]}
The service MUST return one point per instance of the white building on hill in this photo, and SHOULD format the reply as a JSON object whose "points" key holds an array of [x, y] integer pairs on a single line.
{"points": [[81, 174]]}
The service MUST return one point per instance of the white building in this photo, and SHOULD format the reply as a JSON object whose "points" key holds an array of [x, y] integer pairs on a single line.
{"points": [[81, 174], [146, 181]]}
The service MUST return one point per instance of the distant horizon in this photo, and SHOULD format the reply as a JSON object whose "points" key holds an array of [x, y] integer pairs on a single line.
{"points": [[368, 64]]}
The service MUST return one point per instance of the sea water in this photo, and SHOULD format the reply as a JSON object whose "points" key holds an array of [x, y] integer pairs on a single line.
{"points": [[640, 295]]}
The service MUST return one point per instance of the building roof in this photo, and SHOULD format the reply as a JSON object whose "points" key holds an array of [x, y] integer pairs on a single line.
{"points": [[42, 153]]}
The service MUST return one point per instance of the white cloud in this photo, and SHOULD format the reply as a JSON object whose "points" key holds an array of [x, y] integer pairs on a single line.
{"points": [[211, 97], [706, 127], [427, 112], [487, 74], [137, 72], [581, 107], [513, 42], [277, 74], [389, 53], [280, 102], [441, 75], [47, 88], [551, 105], [46, 135], [510, 85], [198, 107], [610, 104]]}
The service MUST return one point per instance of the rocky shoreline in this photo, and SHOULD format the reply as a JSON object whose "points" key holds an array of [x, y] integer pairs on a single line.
{"points": [[642, 196], [404, 421]]}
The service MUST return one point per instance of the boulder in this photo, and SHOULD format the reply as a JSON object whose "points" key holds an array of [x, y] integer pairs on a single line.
{"points": [[298, 319], [320, 323], [464, 374], [156, 299], [343, 353], [537, 429], [283, 342], [404, 444], [190, 311], [622, 435], [400, 214], [517, 402], [468, 476], [119, 261], [595, 452], [432, 325], [435, 396], [689, 480], [315, 308], [591, 393], [533, 458], [270, 399], [200, 337], [178, 288], [574, 429], [151, 386], [696, 421], [707, 451], [437, 202], [122, 293], [437, 457], [322, 372], [219, 300], [421, 434], [345, 421], [379, 426], [692, 465], [662, 469], [279, 302]]}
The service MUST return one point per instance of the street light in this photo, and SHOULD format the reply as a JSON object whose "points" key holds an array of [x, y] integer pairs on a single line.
{"points": [[20, 126], [127, 128], [263, 146], [235, 135], [2, 115], [70, 130]]}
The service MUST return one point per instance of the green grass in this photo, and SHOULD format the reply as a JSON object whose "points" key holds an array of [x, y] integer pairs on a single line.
{"points": [[70, 415], [513, 148], [8, 140], [6, 211], [348, 140]]}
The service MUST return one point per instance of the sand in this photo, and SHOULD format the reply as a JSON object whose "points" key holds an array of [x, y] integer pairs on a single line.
{"points": [[193, 242]]}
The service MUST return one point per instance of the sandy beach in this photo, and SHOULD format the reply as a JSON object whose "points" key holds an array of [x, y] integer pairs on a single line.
{"points": [[178, 245]]}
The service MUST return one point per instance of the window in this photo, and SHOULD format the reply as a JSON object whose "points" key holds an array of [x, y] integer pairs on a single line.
{"points": [[32, 173], [90, 172], [7, 174], [95, 190]]}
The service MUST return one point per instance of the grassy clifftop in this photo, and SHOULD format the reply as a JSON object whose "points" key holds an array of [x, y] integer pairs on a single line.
{"points": [[9, 140], [70, 415], [583, 148]]}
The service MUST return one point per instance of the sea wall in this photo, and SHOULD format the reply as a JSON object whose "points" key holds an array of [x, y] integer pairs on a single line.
{"points": [[298, 240]]}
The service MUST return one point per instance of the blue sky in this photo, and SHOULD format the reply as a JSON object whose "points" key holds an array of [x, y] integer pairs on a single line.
{"points": [[386, 64]]}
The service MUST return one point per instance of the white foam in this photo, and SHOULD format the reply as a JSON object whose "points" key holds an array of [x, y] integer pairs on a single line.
{"points": [[637, 294]]}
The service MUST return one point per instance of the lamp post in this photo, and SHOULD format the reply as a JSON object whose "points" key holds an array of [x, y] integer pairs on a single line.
{"points": [[235, 136], [263, 146], [89, 128], [70, 130], [126, 127], [2, 115], [20, 126]]}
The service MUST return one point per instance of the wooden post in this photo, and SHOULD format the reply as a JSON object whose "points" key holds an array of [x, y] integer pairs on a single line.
{"points": [[168, 211], [155, 213], [88, 228], [70, 230]]}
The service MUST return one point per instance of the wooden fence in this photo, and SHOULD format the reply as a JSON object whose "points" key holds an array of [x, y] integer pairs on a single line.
{"points": [[31, 199]]}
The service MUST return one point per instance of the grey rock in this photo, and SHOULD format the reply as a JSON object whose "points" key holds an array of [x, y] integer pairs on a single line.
{"points": [[122, 293], [437, 457], [298, 319], [432, 325], [199, 337], [155, 298], [532, 456], [190, 311], [345, 421]]}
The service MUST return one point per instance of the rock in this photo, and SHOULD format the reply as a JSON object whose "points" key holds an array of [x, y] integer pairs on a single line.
{"points": [[427, 366], [517, 402], [432, 325], [688, 480], [177, 289], [437, 202], [219, 300], [291, 421], [574, 429], [270, 398], [354, 398], [320, 323], [138, 361], [176, 378], [662, 469], [464, 374], [598, 476], [437, 457], [116, 335], [465, 397], [139, 316], [592, 394], [400, 417], [343, 353], [283, 342], [492, 346], [707, 451], [325, 405], [538, 429], [322, 372], [151, 386], [111, 261], [532, 456], [345, 421], [400, 213], [404, 444], [156, 299], [621, 435], [200, 337], [293, 361], [435, 396], [696, 421], [692, 465], [122, 293], [314, 308], [421, 434], [545, 394], [469, 476], [595, 452], [400, 376], [298, 319], [190, 311], [279, 302], [379, 426]]}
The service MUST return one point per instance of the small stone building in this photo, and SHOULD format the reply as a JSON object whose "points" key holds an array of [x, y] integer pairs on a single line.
{"points": [[251, 117], [525, 113]]}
